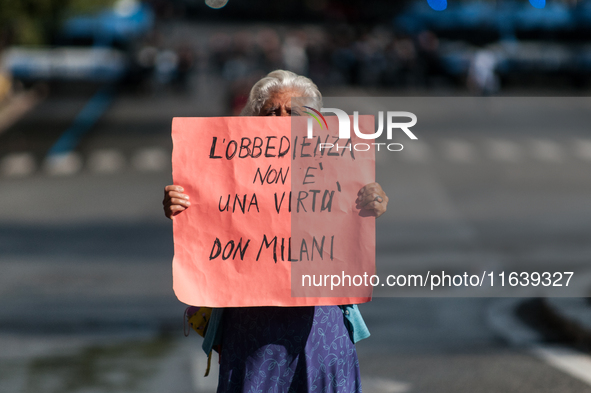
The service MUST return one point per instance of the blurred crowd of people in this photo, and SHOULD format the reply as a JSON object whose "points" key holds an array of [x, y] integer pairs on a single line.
{"points": [[157, 65], [330, 56], [341, 55]]}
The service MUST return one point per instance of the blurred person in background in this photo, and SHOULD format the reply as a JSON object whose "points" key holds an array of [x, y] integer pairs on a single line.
{"points": [[185, 64], [482, 79], [294, 53], [285, 349]]}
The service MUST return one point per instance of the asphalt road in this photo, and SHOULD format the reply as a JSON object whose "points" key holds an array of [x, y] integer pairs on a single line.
{"points": [[86, 299]]}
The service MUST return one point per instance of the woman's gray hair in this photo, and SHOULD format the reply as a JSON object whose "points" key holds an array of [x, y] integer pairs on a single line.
{"points": [[278, 80]]}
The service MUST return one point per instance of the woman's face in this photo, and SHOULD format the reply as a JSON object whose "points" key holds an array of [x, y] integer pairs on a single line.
{"points": [[279, 103]]}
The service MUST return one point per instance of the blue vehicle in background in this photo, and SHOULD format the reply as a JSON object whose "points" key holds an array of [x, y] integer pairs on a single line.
{"points": [[525, 42], [95, 48]]}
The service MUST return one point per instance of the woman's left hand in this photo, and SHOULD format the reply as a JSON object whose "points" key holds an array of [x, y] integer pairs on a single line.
{"points": [[372, 197]]}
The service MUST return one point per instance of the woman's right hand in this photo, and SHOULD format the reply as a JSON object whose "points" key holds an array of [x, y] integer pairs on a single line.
{"points": [[174, 200]]}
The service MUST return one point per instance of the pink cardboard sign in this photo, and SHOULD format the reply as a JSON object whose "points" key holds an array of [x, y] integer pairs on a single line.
{"points": [[233, 245]]}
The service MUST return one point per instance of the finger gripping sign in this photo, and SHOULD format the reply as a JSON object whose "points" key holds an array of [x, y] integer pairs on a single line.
{"points": [[233, 247]]}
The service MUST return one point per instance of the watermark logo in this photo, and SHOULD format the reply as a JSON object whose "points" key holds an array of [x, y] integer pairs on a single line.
{"points": [[318, 114], [345, 123], [393, 122]]}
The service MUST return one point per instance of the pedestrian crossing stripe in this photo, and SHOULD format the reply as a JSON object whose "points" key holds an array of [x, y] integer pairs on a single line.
{"points": [[453, 150]]}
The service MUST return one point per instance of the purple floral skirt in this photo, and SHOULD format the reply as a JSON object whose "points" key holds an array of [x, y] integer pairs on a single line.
{"points": [[287, 349]]}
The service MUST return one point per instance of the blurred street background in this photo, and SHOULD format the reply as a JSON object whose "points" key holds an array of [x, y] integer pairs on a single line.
{"points": [[87, 94]]}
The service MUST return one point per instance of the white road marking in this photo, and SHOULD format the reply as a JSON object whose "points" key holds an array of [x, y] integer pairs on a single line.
{"points": [[458, 151], [17, 165], [582, 149], [501, 317], [106, 161], [546, 150], [383, 385], [158, 159], [415, 152], [503, 150], [63, 164], [574, 363], [151, 160]]}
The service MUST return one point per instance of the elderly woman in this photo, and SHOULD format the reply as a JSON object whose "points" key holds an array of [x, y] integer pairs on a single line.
{"points": [[285, 349]]}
